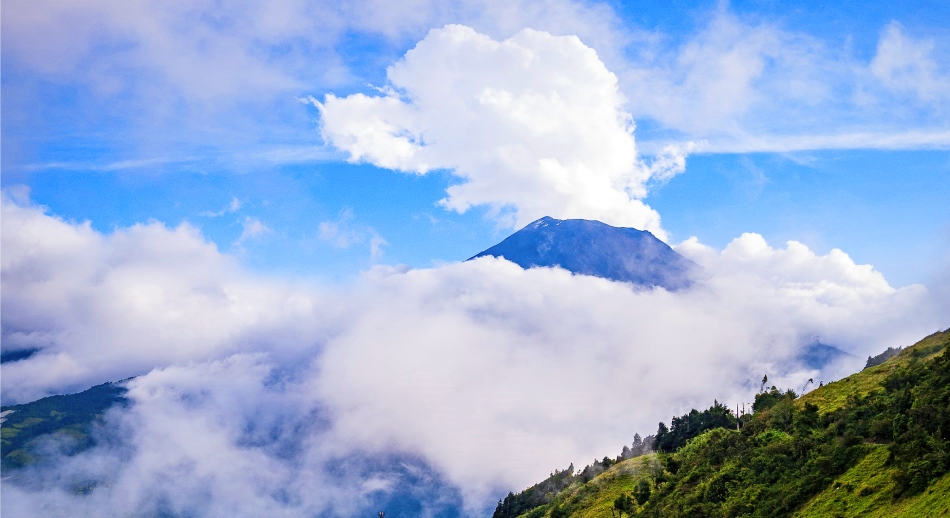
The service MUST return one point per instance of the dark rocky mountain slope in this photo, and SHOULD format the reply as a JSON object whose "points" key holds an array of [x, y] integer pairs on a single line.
{"points": [[593, 248]]}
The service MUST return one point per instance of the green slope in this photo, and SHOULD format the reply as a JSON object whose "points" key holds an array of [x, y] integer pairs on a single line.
{"points": [[876, 443], [834, 395], [66, 421], [866, 491], [594, 497]]}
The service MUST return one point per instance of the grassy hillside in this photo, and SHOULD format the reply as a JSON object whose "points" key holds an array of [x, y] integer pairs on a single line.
{"points": [[876, 443], [834, 395], [63, 422], [866, 490], [584, 498]]}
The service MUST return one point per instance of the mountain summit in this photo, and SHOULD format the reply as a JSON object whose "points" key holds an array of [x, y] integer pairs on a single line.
{"points": [[593, 248]]}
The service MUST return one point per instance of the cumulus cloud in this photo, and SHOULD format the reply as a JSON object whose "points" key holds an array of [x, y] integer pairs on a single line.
{"points": [[533, 125], [294, 399], [822, 294], [106, 307]]}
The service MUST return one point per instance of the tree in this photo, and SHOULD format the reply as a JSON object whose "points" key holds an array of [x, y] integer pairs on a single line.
{"points": [[642, 492], [687, 426], [559, 512], [623, 504]]}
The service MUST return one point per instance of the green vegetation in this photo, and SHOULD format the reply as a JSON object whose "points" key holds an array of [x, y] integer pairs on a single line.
{"points": [[874, 444], [613, 492], [66, 421], [684, 428], [867, 489], [834, 396], [538, 497]]}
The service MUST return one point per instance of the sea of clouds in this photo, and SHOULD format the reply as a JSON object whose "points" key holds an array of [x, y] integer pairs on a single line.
{"points": [[253, 392], [259, 395]]}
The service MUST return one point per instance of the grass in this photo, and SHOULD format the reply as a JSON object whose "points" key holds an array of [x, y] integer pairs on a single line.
{"points": [[834, 395], [865, 491], [595, 499], [619, 479]]}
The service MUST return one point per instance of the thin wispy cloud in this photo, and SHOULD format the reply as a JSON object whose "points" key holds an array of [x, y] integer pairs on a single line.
{"points": [[109, 167], [345, 231], [936, 139], [232, 207], [753, 86], [252, 228]]}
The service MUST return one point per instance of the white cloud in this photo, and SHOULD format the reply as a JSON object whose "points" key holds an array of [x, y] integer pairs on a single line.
{"points": [[345, 232], [744, 85], [106, 307], [932, 138], [712, 79], [822, 294], [491, 374], [905, 64], [198, 48], [221, 438], [207, 50], [533, 124], [253, 228], [233, 206]]}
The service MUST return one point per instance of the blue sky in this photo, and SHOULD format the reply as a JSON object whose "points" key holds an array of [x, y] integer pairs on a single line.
{"points": [[111, 122]]}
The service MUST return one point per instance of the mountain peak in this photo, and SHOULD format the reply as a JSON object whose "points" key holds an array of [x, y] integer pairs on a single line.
{"points": [[589, 247]]}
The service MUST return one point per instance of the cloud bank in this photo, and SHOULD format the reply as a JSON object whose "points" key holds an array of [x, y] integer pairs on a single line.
{"points": [[474, 378], [112, 306]]}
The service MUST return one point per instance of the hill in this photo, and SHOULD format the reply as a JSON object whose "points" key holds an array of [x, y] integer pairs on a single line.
{"points": [[68, 420], [593, 248], [874, 444]]}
